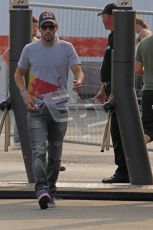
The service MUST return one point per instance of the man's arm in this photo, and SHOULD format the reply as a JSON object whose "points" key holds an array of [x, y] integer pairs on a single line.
{"points": [[78, 77], [20, 82], [139, 70]]}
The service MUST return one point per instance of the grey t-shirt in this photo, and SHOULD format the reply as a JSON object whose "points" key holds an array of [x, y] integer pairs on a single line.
{"points": [[145, 56], [48, 65]]}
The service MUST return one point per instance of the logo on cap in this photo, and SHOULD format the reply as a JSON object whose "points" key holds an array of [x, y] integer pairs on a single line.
{"points": [[47, 17]]}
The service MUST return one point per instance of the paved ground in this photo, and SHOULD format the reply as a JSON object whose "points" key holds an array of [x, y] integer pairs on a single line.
{"points": [[85, 165], [76, 215]]}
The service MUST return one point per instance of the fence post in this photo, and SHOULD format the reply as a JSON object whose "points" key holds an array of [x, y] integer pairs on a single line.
{"points": [[20, 35], [136, 154]]}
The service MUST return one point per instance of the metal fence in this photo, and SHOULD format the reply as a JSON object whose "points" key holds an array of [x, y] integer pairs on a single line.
{"points": [[82, 27], [3, 80]]}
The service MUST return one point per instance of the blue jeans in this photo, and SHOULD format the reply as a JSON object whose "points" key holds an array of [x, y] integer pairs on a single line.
{"points": [[16, 134], [46, 135]]}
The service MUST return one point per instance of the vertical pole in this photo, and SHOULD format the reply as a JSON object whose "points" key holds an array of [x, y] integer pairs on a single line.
{"points": [[7, 131], [10, 4], [136, 154], [20, 35]]}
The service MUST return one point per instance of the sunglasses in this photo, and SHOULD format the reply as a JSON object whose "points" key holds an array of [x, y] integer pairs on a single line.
{"points": [[50, 27]]}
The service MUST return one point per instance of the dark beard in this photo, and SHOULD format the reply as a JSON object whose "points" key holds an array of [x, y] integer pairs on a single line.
{"points": [[48, 38]]}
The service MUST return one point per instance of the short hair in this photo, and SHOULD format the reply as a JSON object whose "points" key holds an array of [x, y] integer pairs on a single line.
{"points": [[141, 22], [34, 19]]}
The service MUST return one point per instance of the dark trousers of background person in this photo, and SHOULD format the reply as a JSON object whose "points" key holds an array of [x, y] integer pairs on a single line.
{"points": [[121, 170], [138, 88], [147, 112], [118, 148]]}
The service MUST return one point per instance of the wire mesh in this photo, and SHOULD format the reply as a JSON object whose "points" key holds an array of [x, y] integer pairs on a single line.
{"points": [[82, 27]]}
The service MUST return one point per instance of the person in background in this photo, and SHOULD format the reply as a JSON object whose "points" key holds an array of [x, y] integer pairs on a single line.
{"points": [[35, 28], [144, 68], [142, 31], [121, 173], [49, 60]]}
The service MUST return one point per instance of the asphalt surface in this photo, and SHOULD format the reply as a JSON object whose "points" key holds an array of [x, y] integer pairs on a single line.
{"points": [[76, 215], [85, 167]]}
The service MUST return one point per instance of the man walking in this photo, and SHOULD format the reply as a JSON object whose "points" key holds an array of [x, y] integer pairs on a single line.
{"points": [[49, 60]]}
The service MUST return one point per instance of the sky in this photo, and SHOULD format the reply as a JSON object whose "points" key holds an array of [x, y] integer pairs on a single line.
{"points": [[137, 4]]}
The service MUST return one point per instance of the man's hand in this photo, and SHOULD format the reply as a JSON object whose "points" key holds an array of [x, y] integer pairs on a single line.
{"points": [[77, 85], [139, 70], [28, 100], [100, 97], [78, 75]]}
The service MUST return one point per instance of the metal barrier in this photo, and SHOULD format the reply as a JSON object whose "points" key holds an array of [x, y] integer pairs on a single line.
{"points": [[82, 27], [3, 80], [5, 106]]}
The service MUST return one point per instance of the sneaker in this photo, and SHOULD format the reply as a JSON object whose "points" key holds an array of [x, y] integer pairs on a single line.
{"points": [[52, 201], [62, 168], [43, 199], [16, 146], [116, 179]]}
